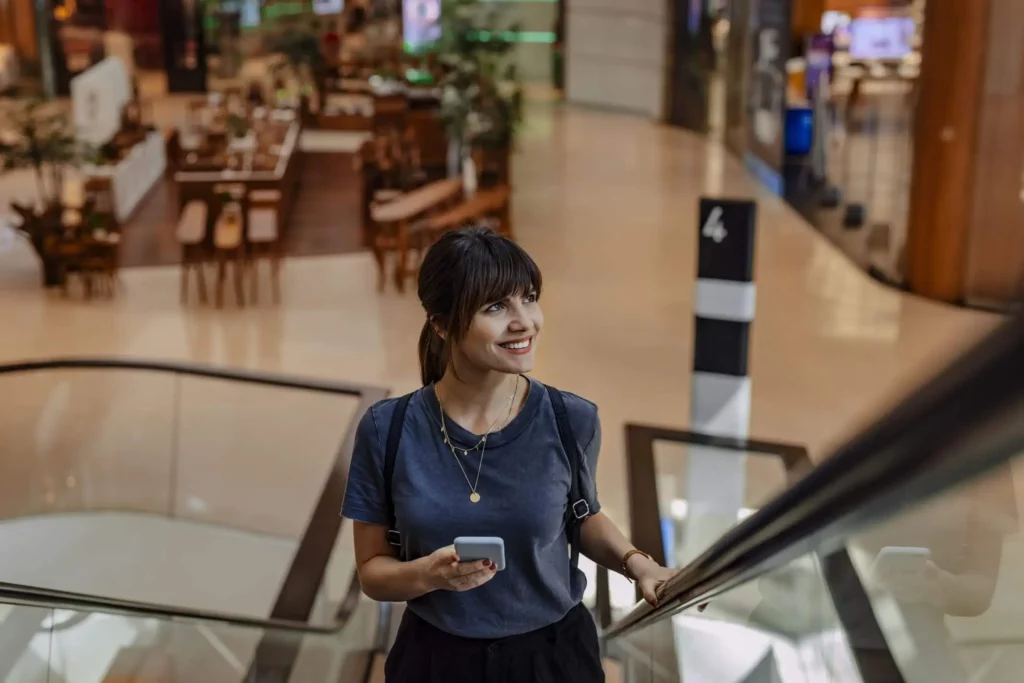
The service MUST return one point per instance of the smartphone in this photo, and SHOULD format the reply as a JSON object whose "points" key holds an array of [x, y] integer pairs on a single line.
{"points": [[473, 548], [898, 563]]}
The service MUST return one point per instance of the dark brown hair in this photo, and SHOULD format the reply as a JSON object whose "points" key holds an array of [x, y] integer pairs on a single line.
{"points": [[463, 272]]}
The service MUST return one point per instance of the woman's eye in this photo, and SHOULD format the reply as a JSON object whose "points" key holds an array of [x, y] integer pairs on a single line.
{"points": [[494, 308], [531, 298]]}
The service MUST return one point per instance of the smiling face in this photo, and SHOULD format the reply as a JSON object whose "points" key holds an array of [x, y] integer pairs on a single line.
{"points": [[480, 292], [502, 335]]}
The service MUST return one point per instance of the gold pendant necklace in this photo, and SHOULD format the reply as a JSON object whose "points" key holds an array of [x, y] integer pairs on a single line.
{"points": [[474, 495]]}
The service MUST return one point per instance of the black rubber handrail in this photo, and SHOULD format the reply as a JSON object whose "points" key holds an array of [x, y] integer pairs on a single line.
{"points": [[965, 421], [55, 599], [192, 369]]}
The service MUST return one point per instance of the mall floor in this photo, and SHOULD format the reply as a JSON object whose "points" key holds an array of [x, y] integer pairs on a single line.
{"points": [[607, 204]]}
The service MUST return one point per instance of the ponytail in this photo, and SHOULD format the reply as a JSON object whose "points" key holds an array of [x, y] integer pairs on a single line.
{"points": [[432, 355]]}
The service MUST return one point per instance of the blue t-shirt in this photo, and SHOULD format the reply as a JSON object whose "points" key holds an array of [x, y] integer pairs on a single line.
{"points": [[524, 489]]}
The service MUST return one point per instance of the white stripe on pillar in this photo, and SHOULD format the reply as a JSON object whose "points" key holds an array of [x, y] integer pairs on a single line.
{"points": [[726, 300], [720, 405]]}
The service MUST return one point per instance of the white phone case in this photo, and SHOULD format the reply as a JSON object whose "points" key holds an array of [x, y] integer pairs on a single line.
{"points": [[473, 548]]}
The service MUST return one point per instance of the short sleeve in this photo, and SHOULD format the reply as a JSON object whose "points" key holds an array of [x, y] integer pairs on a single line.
{"points": [[591, 451], [364, 493], [586, 427]]}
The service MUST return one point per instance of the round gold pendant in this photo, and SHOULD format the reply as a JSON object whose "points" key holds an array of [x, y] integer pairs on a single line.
{"points": [[474, 497]]}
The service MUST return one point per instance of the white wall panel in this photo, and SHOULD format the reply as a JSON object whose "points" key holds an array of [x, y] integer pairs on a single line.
{"points": [[534, 59], [616, 54], [616, 86]]}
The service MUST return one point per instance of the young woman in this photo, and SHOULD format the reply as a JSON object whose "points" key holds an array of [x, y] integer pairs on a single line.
{"points": [[478, 451]]}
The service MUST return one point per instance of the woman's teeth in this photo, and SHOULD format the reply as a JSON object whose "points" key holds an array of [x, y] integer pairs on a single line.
{"points": [[516, 346]]}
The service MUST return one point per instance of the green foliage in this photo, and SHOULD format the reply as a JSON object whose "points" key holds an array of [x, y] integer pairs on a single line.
{"points": [[481, 95], [300, 46], [237, 125], [39, 137]]}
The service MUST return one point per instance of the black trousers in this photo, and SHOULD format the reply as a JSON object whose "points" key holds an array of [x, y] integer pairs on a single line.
{"points": [[564, 652]]}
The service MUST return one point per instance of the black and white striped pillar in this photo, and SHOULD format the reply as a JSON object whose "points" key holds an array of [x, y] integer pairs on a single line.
{"points": [[720, 393]]}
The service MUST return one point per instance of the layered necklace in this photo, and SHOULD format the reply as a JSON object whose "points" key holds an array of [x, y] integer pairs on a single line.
{"points": [[481, 445]]}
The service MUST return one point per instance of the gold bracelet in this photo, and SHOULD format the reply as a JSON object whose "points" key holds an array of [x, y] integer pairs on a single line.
{"points": [[625, 559]]}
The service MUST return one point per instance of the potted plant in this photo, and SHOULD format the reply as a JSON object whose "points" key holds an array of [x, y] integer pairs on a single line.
{"points": [[303, 55], [481, 94], [39, 138]]}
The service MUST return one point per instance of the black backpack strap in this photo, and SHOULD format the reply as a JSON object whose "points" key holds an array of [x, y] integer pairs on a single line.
{"points": [[390, 453], [578, 509]]}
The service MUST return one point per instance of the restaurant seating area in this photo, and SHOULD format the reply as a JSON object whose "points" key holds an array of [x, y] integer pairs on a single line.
{"points": [[282, 161], [236, 167]]}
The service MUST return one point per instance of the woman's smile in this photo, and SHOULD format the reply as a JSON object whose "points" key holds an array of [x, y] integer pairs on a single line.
{"points": [[518, 347]]}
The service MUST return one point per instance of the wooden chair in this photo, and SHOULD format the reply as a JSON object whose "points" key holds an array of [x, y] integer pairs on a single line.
{"points": [[393, 221], [191, 235], [264, 237], [486, 206], [100, 263], [229, 248], [67, 254]]}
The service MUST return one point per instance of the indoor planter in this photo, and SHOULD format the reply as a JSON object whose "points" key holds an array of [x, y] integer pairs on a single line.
{"points": [[481, 95], [39, 138]]}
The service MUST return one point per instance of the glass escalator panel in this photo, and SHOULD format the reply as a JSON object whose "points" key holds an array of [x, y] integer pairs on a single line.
{"points": [[693, 514], [945, 580], [898, 559], [779, 628], [932, 594], [58, 644], [165, 487]]}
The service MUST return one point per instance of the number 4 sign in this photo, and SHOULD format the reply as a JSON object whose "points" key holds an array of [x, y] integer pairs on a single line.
{"points": [[713, 227], [726, 239]]}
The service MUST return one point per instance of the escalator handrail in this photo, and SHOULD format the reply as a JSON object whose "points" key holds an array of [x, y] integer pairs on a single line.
{"points": [[66, 600], [966, 420], [192, 369]]}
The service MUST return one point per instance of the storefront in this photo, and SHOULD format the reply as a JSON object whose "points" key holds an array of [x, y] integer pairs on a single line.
{"points": [[822, 100], [817, 97]]}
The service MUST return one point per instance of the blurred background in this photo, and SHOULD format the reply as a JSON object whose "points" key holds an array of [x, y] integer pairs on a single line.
{"points": [[212, 214]]}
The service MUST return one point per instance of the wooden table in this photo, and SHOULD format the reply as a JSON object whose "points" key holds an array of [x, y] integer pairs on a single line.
{"points": [[207, 185], [393, 219]]}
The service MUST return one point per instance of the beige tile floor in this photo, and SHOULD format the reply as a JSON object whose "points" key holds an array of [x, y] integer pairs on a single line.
{"points": [[608, 206]]}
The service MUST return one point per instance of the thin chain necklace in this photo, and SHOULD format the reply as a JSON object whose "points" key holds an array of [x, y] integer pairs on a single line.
{"points": [[483, 439], [474, 495]]}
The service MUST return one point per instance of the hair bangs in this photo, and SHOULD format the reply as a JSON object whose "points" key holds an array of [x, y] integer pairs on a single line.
{"points": [[500, 270]]}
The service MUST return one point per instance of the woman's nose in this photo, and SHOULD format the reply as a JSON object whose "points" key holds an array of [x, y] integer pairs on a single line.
{"points": [[519, 321]]}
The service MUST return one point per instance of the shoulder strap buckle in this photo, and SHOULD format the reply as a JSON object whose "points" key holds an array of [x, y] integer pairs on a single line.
{"points": [[581, 509], [395, 537]]}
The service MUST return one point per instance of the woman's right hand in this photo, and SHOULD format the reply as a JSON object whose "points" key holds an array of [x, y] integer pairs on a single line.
{"points": [[443, 571]]}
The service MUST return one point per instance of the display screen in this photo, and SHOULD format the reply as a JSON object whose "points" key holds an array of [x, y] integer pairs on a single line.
{"points": [[328, 6], [881, 37], [420, 23]]}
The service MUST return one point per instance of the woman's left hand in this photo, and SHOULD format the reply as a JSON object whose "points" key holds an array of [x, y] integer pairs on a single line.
{"points": [[651, 578]]}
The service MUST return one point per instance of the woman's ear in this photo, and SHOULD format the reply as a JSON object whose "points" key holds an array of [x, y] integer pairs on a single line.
{"points": [[438, 330]]}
